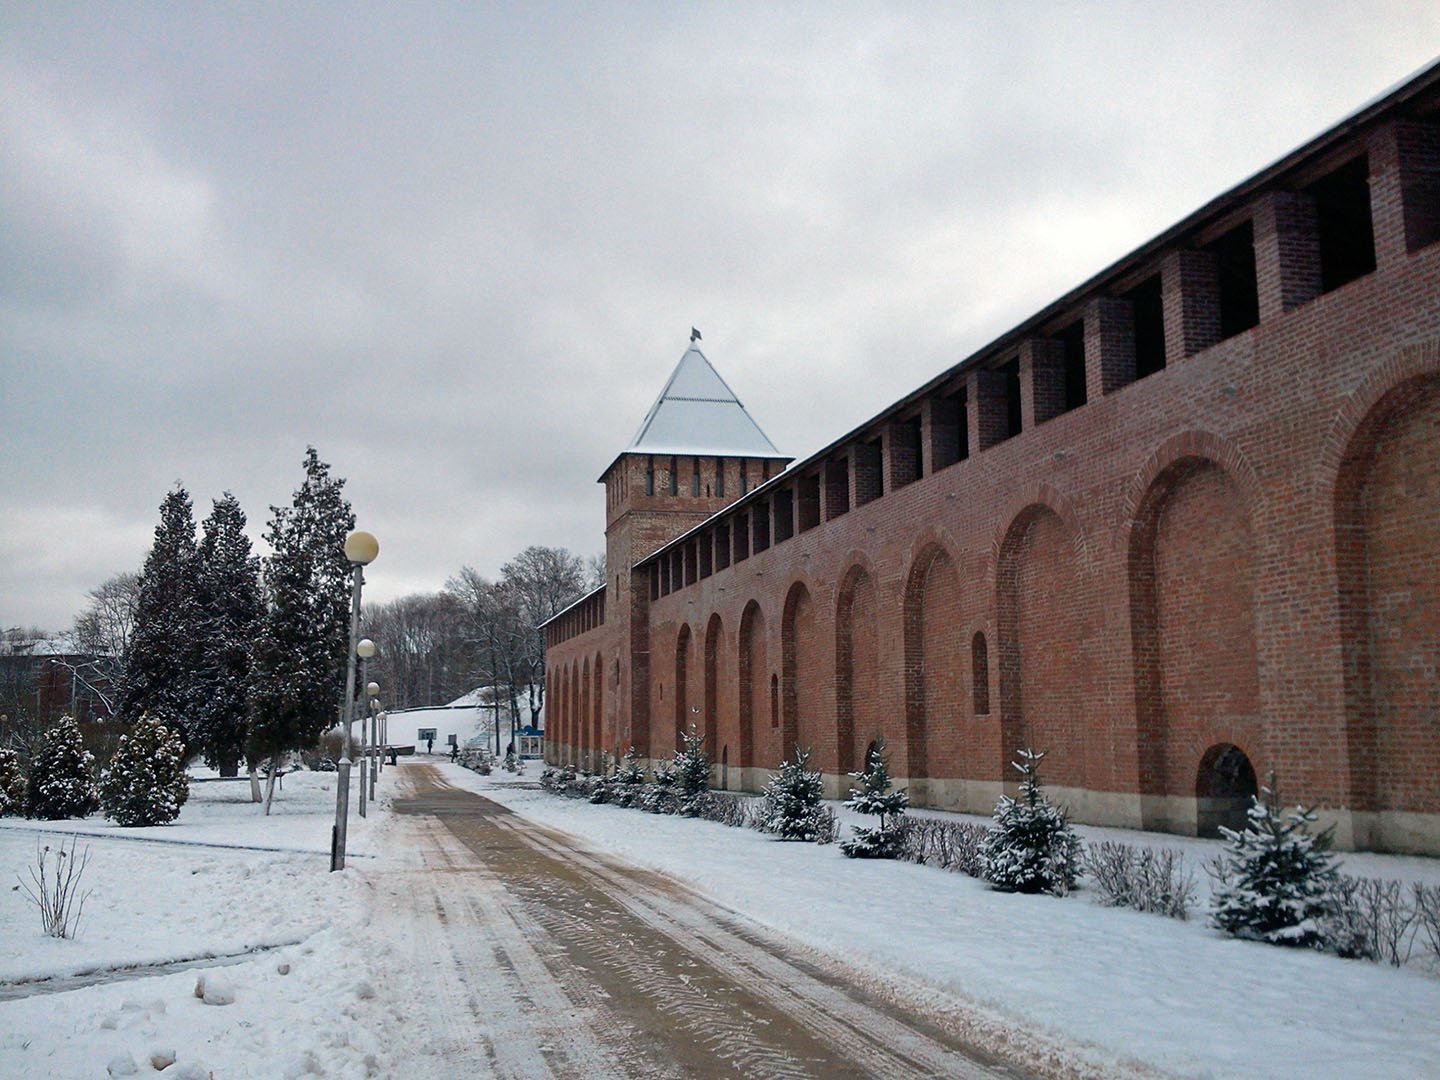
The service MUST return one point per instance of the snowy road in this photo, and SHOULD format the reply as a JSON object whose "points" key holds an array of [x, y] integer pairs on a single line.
{"points": [[533, 956]]}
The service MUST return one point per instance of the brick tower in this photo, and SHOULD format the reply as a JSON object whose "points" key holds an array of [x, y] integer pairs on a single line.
{"points": [[696, 452]]}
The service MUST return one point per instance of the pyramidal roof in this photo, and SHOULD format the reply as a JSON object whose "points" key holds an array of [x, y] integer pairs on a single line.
{"points": [[697, 413]]}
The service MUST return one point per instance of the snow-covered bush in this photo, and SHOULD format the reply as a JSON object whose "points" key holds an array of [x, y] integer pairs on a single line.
{"points": [[661, 796], [62, 784], [950, 845], [629, 780], [1275, 881], [727, 808], [477, 759], [12, 784], [559, 779], [875, 797], [692, 772], [793, 800], [146, 783], [1146, 879], [1031, 848]]}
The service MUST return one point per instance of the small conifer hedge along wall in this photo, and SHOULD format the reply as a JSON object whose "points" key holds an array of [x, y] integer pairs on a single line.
{"points": [[1269, 867]]}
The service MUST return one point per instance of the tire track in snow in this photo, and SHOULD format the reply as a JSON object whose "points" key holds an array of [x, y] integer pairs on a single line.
{"points": [[668, 983]]}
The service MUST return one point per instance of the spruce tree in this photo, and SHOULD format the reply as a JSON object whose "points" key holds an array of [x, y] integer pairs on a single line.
{"points": [[12, 784], [1275, 881], [62, 782], [230, 610], [629, 780], [164, 654], [300, 649], [1032, 847], [875, 797], [792, 800], [145, 782], [692, 772]]}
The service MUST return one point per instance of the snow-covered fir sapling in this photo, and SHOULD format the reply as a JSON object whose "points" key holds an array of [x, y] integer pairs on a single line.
{"points": [[629, 781], [1275, 881], [145, 783], [1032, 848], [692, 772], [62, 783], [792, 802], [875, 797], [12, 784], [659, 797]]}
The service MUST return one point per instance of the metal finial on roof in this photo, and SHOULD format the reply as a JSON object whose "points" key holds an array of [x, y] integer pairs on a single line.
{"points": [[694, 334]]}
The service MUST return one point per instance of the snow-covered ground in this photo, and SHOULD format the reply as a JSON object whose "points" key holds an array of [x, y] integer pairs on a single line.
{"points": [[1151, 992]]}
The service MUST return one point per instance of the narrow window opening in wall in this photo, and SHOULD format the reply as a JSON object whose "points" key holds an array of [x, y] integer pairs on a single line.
{"points": [[722, 546], [760, 528], [980, 674], [677, 570], [1342, 219], [654, 583], [869, 475], [1421, 193], [692, 562], [909, 464], [949, 430], [650, 477], [707, 555], [744, 479], [719, 478], [742, 537], [784, 515], [664, 565], [1011, 373], [1149, 324], [1072, 339], [774, 701], [1235, 274], [695, 478], [674, 477], [837, 487], [809, 501]]}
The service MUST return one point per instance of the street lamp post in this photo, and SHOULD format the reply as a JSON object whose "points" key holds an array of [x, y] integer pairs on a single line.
{"points": [[360, 549], [367, 735], [373, 711], [365, 650]]}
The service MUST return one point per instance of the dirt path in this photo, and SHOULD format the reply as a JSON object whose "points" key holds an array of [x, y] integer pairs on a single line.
{"points": [[535, 957]]}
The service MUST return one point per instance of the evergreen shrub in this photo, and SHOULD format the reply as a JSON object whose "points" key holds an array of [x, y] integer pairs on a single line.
{"points": [[12, 784], [1275, 881], [1032, 848], [146, 782], [875, 797], [792, 807], [61, 783]]}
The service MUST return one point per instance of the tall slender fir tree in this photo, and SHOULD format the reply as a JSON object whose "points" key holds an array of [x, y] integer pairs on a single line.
{"points": [[299, 657], [231, 607], [164, 649]]}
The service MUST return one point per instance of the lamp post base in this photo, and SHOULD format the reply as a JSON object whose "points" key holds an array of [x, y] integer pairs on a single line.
{"points": [[342, 804]]}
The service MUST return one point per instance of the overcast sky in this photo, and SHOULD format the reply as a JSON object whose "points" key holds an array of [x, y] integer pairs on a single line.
{"points": [[459, 248]]}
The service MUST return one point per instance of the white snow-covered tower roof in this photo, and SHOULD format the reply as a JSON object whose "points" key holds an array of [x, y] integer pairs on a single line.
{"points": [[697, 413]]}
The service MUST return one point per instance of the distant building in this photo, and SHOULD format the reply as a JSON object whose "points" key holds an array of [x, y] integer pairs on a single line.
{"points": [[46, 679], [1176, 529]]}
